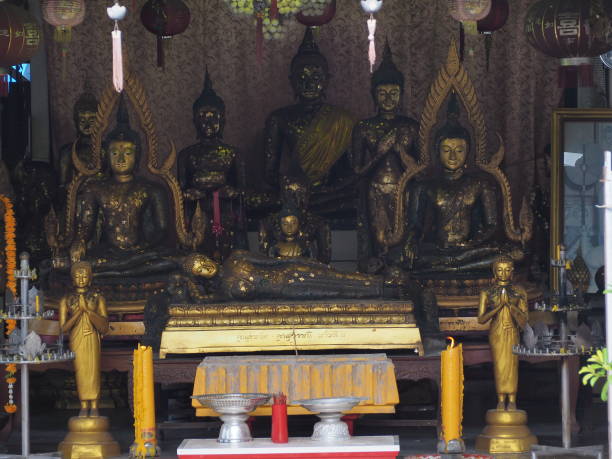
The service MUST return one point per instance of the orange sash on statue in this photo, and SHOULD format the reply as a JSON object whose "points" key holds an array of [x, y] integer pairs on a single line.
{"points": [[326, 139]]}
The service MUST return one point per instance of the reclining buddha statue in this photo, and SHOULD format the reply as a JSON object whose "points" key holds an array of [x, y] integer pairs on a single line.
{"points": [[122, 226]]}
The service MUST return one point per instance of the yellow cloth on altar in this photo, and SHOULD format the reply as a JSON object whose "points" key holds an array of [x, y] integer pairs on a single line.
{"points": [[301, 377], [327, 137]]}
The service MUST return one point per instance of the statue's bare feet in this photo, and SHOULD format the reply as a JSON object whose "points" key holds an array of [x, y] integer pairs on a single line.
{"points": [[83, 413], [501, 406], [94, 413], [511, 406]]}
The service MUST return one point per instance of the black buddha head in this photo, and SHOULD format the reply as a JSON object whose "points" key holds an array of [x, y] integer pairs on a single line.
{"points": [[309, 71], [209, 112], [453, 140], [84, 113], [387, 84], [289, 221], [123, 144]]}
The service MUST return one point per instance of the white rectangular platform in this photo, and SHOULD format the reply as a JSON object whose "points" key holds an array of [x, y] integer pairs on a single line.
{"points": [[357, 447]]}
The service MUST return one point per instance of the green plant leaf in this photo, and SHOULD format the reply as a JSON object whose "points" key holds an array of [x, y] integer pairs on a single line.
{"points": [[604, 391]]}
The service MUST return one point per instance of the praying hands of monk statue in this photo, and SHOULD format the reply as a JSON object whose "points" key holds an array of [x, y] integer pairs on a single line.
{"points": [[505, 305], [82, 314]]}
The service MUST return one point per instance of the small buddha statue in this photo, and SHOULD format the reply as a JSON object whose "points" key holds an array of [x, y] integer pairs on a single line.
{"points": [[378, 144], [311, 134], [133, 210], [82, 314], [291, 241], [294, 231], [505, 305], [454, 223], [84, 116], [211, 173]]}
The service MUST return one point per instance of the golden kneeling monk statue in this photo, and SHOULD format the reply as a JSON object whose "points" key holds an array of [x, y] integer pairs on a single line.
{"points": [[505, 305], [83, 315]]}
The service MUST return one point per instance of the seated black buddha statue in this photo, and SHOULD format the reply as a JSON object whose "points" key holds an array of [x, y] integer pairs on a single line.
{"points": [[211, 173], [134, 214], [455, 226], [376, 155], [311, 134]]}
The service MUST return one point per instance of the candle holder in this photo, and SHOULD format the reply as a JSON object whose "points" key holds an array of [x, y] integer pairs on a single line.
{"points": [[234, 410], [330, 410]]}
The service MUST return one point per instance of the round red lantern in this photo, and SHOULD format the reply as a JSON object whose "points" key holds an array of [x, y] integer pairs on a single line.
{"points": [[164, 18], [21, 35], [573, 30], [568, 28], [63, 15], [495, 20], [320, 19]]}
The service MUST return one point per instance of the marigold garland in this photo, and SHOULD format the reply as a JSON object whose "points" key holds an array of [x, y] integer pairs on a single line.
{"points": [[10, 249], [10, 225]]}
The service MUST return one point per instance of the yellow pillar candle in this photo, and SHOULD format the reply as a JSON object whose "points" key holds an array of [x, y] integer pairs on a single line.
{"points": [[148, 395], [37, 304], [452, 391], [139, 443]]}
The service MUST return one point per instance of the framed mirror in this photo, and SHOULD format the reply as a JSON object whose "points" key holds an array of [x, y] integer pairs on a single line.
{"points": [[579, 138]]}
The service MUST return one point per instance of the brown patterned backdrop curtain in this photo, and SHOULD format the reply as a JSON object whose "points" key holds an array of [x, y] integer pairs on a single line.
{"points": [[516, 94]]}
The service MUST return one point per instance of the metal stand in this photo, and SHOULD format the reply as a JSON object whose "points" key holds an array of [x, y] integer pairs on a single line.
{"points": [[561, 302], [11, 354]]}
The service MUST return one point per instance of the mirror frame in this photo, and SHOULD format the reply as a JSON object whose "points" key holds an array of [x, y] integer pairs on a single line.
{"points": [[557, 202]]}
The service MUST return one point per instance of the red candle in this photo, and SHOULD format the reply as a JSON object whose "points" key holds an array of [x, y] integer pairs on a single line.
{"points": [[280, 433]]}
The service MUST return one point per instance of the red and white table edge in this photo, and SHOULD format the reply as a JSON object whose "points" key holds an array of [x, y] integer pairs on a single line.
{"points": [[384, 446]]}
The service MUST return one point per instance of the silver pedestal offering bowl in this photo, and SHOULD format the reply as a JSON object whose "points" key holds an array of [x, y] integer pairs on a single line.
{"points": [[234, 410], [331, 427]]}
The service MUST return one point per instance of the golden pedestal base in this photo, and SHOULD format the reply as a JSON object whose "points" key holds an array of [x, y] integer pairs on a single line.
{"points": [[506, 432], [88, 437]]}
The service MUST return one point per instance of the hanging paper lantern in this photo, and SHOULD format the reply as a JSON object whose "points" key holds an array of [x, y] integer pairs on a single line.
{"points": [[469, 10], [164, 18], [572, 30], [63, 15], [316, 14], [495, 20], [20, 35], [568, 28], [19, 40]]}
